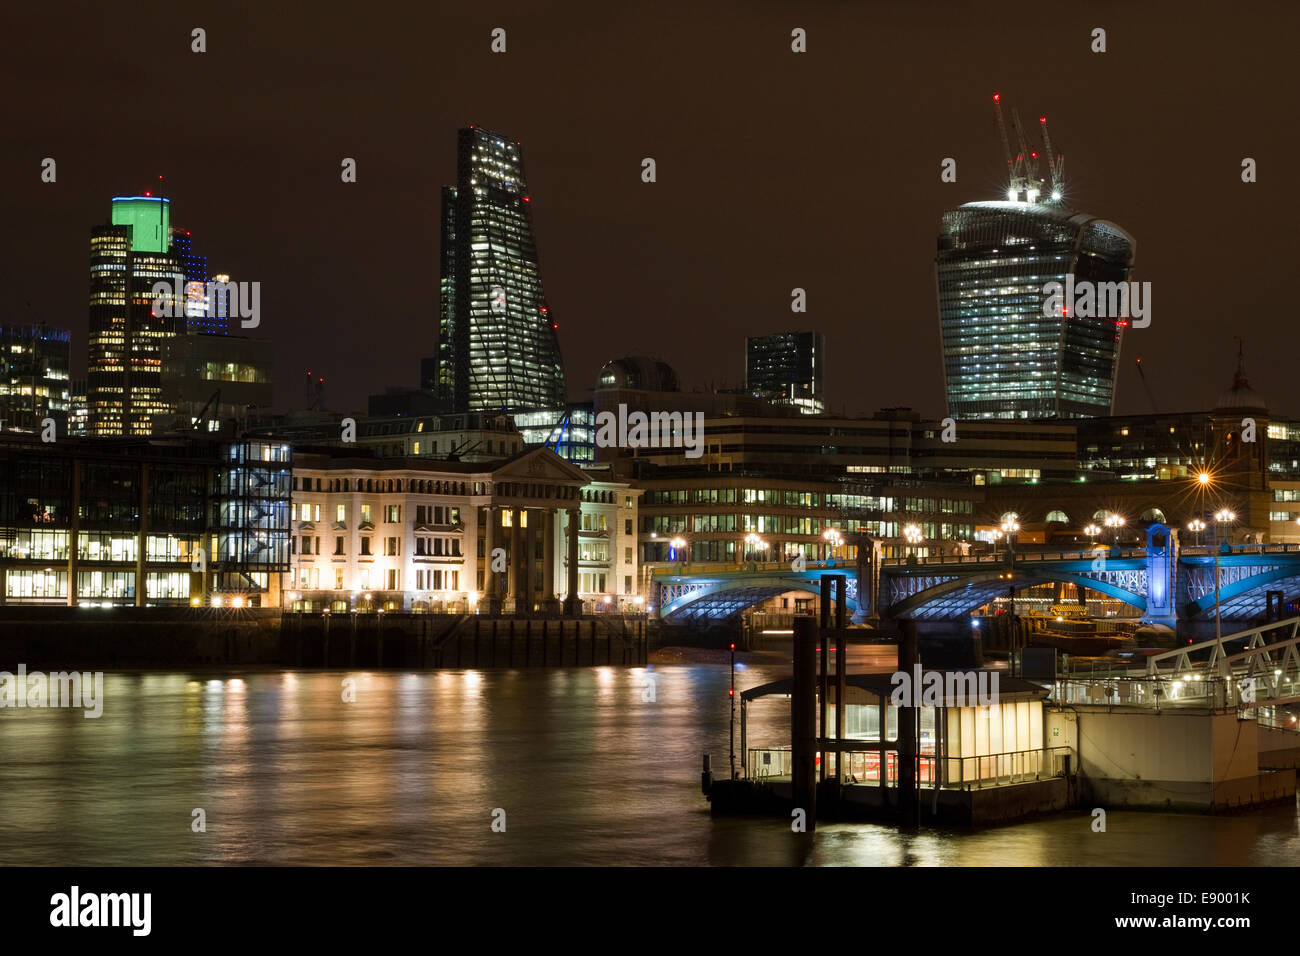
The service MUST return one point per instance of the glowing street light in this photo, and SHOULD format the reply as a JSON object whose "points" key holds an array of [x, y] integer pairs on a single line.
{"points": [[1115, 522], [1092, 531], [674, 546], [755, 543], [1196, 526], [833, 538]]}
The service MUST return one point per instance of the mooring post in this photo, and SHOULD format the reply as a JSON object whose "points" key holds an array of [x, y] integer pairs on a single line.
{"points": [[841, 679], [909, 662], [823, 704], [803, 720]]}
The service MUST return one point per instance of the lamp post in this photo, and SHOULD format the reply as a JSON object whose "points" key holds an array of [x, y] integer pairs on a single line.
{"points": [[1009, 527], [833, 538], [1115, 522], [675, 546], [1196, 526], [755, 543], [1222, 517], [1092, 531], [913, 535]]}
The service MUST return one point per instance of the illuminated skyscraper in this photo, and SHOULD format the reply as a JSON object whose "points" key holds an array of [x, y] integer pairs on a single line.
{"points": [[788, 368], [497, 343], [1003, 356], [127, 257]]}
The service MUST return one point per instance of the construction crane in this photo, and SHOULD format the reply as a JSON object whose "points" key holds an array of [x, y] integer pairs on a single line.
{"points": [[1028, 159], [1147, 386], [1055, 161], [196, 423], [1015, 176]]}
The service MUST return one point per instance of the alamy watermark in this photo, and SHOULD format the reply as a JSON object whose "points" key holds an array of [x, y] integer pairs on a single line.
{"points": [[943, 688], [1099, 300], [655, 430], [235, 300], [60, 689]]}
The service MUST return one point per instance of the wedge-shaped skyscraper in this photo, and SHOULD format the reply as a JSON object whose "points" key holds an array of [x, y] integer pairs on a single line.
{"points": [[497, 343]]}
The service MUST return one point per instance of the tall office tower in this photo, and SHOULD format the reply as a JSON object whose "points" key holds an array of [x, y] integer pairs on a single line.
{"points": [[1009, 351], [497, 343], [788, 368], [198, 316], [127, 257], [33, 378]]}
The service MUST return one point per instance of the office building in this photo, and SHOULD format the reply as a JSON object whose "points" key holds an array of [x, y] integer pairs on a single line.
{"points": [[34, 382], [124, 372], [788, 369], [498, 348], [143, 522]]}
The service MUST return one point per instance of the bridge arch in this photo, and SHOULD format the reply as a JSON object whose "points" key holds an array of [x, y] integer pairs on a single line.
{"points": [[719, 599], [962, 594]]}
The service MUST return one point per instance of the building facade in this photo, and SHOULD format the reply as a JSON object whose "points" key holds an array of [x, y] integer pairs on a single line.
{"points": [[498, 348], [138, 522], [522, 535], [788, 368], [34, 384], [1008, 352], [124, 371]]}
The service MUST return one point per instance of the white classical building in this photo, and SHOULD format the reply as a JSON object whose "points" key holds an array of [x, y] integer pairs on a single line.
{"points": [[520, 535]]}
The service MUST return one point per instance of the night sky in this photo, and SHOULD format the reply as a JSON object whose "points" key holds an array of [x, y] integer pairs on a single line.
{"points": [[775, 170]]}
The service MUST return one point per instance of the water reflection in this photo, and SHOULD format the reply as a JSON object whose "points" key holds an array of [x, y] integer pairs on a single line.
{"points": [[588, 766]]}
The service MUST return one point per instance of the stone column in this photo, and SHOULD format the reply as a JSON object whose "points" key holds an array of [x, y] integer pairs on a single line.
{"points": [[469, 550], [516, 550], [527, 570], [548, 560], [572, 603], [491, 584]]}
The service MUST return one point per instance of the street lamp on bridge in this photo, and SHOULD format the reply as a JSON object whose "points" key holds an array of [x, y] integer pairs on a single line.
{"points": [[1115, 522], [913, 535], [1222, 517], [755, 543], [1196, 526], [833, 538], [1092, 531], [675, 547]]}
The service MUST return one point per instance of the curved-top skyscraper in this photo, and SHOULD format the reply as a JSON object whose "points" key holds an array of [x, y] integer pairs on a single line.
{"points": [[1004, 355]]}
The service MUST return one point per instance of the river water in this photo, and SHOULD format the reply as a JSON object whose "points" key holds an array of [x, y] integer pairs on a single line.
{"points": [[585, 769]]}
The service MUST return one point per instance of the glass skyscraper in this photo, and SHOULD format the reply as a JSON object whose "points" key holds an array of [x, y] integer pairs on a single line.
{"points": [[124, 372], [788, 368], [1003, 358], [497, 344]]}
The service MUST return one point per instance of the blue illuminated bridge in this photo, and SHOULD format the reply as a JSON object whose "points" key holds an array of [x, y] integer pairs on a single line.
{"points": [[1163, 582]]}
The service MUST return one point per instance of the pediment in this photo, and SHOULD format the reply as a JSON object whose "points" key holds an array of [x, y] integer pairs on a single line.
{"points": [[540, 464]]}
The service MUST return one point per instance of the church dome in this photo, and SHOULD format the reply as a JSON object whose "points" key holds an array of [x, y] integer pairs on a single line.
{"points": [[1240, 396]]}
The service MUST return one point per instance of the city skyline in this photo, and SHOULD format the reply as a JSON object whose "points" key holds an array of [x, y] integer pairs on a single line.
{"points": [[335, 259]]}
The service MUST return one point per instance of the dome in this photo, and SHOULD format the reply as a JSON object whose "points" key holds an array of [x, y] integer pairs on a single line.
{"points": [[638, 372], [1241, 397]]}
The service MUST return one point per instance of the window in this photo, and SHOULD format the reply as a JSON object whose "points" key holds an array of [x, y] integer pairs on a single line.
{"points": [[627, 555], [306, 545], [341, 513], [365, 514], [338, 579], [392, 579], [390, 547], [365, 547], [627, 525], [394, 514], [338, 544]]}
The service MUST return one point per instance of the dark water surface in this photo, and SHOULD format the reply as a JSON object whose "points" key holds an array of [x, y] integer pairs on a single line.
{"points": [[586, 771]]}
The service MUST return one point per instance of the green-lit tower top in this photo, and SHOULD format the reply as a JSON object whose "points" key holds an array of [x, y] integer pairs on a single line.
{"points": [[149, 218]]}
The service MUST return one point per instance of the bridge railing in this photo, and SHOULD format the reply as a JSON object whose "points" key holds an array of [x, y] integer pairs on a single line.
{"points": [[863, 767], [1193, 690]]}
